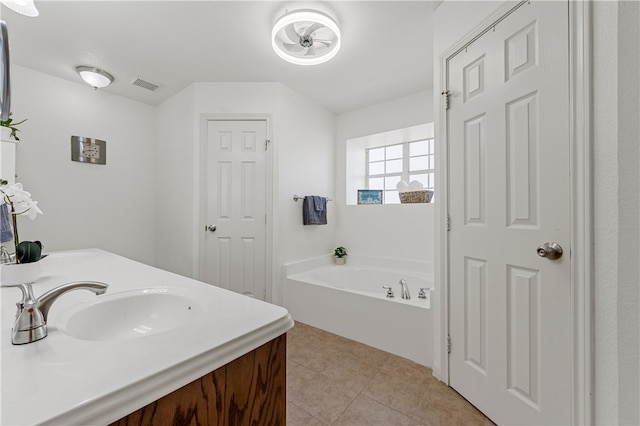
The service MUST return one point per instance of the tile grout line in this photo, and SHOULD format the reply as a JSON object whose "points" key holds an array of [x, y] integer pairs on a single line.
{"points": [[356, 397], [422, 398], [306, 412]]}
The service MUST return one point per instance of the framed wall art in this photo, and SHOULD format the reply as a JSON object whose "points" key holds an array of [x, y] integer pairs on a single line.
{"points": [[370, 196]]}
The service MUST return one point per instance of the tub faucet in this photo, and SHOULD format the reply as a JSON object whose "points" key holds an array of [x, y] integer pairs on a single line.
{"points": [[31, 317], [404, 289]]}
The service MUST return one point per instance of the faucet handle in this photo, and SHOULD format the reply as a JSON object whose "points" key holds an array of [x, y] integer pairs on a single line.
{"points": [[389, 291], [423, 292], [30, 324]]}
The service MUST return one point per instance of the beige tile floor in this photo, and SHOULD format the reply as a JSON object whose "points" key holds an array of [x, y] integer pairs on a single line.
{"points": [[336, 381]]}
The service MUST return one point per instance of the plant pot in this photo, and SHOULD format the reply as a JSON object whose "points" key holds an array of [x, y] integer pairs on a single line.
{"points": [[12, 274], [341, 260], [5, 135]]}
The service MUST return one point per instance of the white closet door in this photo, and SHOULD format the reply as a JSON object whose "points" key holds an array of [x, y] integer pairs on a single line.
{"points": [[510, 309], [236, 206]]}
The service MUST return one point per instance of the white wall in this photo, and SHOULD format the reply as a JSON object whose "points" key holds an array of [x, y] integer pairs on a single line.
{"points": [[616, 193], [106, 206], [8, 161], [175, 208], [617, 211], [381, 230], [304, 133], [606, 191], [302, 140]]}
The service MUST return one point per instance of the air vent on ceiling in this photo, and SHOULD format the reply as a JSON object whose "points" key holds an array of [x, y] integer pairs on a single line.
{"points": [[145, 84]]}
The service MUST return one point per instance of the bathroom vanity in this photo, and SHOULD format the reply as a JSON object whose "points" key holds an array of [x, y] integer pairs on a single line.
{"points": [[156, 348]]}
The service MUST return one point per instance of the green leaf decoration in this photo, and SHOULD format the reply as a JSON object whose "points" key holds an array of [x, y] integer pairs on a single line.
{"points": [[13, 126]]}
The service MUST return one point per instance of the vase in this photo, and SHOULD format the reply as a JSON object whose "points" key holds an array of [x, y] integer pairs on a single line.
{"points": [[341, 260]]}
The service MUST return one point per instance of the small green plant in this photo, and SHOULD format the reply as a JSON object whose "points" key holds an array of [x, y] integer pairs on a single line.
{"points": [[13, 126], [340, 252]]}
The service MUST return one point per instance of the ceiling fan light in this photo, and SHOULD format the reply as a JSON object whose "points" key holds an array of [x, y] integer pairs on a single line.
{"points": [[23, 7], [95, 77], [313, 55]]}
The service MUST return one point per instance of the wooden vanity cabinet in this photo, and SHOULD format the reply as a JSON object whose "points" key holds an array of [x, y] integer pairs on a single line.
{"points": [[247, 391]]}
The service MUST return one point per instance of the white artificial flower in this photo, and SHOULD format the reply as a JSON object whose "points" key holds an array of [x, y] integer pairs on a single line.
{"points": [[21, 200], [33, 210]]}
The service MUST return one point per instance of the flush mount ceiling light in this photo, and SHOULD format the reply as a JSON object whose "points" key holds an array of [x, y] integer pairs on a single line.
{"points": [[23, 7], [95, 77], [306, 37]]}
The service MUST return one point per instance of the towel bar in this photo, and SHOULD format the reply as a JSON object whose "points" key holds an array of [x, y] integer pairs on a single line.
{"points": [[296, 198]]}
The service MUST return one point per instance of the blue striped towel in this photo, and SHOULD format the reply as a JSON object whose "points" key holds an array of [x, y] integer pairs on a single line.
{"points": [[6, 232]]}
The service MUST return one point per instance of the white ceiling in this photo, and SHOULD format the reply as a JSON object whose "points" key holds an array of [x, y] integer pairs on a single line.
{"points": [[386, 46]]}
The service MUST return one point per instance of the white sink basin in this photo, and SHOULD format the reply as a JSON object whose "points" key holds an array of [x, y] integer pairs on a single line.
{"points": [[130, 314]]}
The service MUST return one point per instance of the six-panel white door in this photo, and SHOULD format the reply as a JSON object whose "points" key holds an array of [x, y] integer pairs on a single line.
{"points": [[510, 309], [236, 206]]}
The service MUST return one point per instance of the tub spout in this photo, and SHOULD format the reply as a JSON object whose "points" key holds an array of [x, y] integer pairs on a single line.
{"points": [[404, 290]]}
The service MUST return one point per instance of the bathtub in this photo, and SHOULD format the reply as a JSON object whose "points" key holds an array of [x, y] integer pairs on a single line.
{"points": [[349, 301]]}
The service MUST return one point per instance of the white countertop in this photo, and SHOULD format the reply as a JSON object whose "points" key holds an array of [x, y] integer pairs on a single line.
{"points": [[64, 380]]}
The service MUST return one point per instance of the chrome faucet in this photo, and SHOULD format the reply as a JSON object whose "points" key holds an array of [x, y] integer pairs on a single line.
{"points": [[31, 317], [404, 290]]}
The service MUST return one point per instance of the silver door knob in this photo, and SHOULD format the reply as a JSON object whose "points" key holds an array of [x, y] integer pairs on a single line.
{"points": [[211, 228], [550, 251]]}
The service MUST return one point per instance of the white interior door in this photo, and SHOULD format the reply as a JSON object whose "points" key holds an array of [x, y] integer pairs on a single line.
{"points": [[236, 206], [510, 308]]}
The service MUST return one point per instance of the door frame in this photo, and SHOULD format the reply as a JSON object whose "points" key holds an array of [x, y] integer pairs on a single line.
{"points": [[581, 216], [201, 187]]}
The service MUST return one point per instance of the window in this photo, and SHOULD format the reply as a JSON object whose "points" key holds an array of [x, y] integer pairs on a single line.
{"points": [[387, 165], [381, 160]]}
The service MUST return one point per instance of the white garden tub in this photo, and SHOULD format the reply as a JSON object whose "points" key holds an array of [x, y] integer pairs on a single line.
{"points": [[349, 301]]}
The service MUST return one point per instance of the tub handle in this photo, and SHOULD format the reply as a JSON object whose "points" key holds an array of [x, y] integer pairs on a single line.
{"points": [[389, 291], [423, 293]]}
